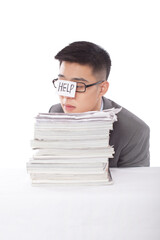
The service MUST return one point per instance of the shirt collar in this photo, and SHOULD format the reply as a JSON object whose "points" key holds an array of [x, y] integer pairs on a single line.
{"points": [[101, 109]]}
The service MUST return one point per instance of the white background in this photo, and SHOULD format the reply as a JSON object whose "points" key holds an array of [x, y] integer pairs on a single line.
{"points": [[33, 31]]}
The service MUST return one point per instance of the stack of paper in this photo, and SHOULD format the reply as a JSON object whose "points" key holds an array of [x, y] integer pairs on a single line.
{"points": [[72, 148]]}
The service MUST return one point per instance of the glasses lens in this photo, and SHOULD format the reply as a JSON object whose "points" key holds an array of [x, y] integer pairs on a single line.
{"points": [[80, 87]]}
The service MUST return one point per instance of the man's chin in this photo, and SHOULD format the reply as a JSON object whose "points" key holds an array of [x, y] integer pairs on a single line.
{"points": [[75, 110]]}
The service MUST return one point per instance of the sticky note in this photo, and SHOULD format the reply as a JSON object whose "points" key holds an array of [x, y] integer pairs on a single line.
{"points": [[66, 88]]}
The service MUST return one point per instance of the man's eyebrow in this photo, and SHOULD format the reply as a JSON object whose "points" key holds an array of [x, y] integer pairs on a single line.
{"points": [[75, 78], [61, 75], [80, 79]]}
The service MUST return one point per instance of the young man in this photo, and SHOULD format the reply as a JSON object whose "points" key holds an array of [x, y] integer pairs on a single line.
{"points": [[89, 66]]}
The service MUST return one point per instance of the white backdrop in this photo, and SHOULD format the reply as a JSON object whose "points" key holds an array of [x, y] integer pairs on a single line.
{"points": [[33, 31]]}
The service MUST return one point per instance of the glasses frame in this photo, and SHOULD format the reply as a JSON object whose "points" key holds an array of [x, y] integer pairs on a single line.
{"points": [[86, 86]]}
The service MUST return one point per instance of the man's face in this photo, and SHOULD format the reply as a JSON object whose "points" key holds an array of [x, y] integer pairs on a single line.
{"points": [[82, 102]]}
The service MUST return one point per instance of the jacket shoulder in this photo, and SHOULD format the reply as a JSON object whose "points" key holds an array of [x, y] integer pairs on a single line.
{"points": [[130, 138], [127, 121], [56, 108]]}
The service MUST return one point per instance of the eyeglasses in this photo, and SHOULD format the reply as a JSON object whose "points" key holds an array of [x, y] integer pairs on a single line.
{"points": [[81, 87]]}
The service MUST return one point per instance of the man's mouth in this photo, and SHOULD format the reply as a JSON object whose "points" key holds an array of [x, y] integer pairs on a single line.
{"points": [[68, 107]]}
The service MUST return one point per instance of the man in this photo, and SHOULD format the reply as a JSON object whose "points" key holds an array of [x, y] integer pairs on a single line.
{"points": [[89, 66]]}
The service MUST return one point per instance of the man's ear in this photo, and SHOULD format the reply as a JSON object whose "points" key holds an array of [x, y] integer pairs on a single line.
{"points": [[104, 88]]}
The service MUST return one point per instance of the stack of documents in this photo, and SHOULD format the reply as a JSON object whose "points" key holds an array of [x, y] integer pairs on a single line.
{"points": [[72, 148]]}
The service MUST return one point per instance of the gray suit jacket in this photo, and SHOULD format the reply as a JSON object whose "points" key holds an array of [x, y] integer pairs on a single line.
{"points": [[130, 137]]}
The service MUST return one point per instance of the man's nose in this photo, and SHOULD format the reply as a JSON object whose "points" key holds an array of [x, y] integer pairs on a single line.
{"points": [[67, 97]]}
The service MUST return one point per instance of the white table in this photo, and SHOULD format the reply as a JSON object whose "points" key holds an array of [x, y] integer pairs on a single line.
{"points": [[128, 209]]}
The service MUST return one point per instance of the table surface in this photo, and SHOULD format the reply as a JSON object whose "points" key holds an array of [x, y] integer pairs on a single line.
{"points": [[128, 209]]}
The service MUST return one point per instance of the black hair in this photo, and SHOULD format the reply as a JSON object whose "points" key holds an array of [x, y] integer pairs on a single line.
{"points": [[86, 53]]}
